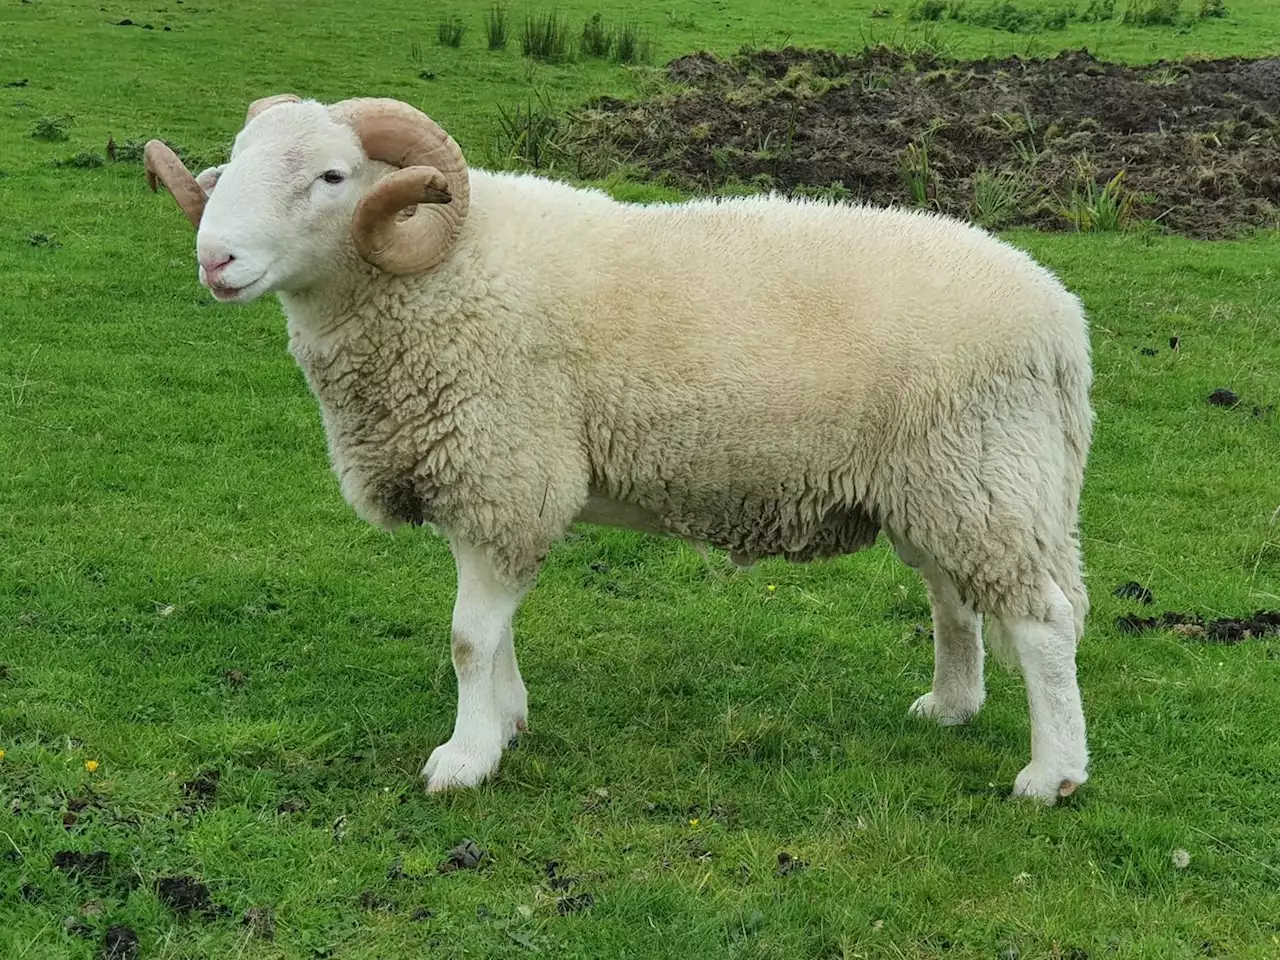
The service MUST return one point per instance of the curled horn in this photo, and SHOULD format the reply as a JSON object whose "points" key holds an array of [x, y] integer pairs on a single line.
{"points": [[432, 171], [266, 103], [162, 164]]}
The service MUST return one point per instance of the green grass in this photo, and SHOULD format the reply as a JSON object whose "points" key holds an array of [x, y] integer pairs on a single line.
{"points": [[167, 516]]}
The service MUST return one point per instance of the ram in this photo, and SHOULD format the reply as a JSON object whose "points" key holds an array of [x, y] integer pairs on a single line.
{"points": [[501, 356]]}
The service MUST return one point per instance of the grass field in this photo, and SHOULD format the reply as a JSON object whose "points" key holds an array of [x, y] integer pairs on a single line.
{"points": [[183, 590]]}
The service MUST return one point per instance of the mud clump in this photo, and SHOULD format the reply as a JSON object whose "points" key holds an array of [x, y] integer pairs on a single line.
{"points": [[465, 856], [187, 895], [574, 904], [1007, 142], [201, 790], [92, 866], [1225, 630], [121, 943], [1134, 591], [788, 864]]}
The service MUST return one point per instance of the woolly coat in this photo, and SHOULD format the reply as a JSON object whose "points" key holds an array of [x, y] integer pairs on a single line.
{"points": [[772, 377]]}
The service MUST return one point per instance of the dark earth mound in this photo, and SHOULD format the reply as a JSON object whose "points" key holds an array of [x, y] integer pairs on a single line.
{"points": [[1002, 141], [1226, 630]]}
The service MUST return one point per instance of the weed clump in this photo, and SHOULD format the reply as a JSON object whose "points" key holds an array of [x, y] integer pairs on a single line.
{"points": [[84, 160], [449, 32], [927, 10], [1149, 13], [633, 44], [528, 133], [496, 27], [1093, 210], [998, 196], [545, 37], [917, 171], [597, 39], [1003, 15], [51, 129]]}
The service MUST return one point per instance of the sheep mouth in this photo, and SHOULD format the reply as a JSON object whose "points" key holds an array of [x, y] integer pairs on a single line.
{"points": [[224, 293]]}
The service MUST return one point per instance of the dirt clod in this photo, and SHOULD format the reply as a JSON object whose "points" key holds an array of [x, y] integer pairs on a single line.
{"points": [[121, 943], [1223, 397], [788, 864], [1226, 630], [186, 895], [235, 678], [1134, 591], [574, 904], [201, 789], [373, 900], [1023, 139], [422, 913], [554, 880], [93, 865], [292, 805], [465, 856]]}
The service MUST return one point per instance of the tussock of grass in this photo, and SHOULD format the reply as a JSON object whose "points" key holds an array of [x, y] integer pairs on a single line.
{"points": [[496, 27], [449, 32], [527, 133], [633, 44], [1028, 18], [545, 37], [1148, 13], [597, 38], [1093, 209], [998, 195]]}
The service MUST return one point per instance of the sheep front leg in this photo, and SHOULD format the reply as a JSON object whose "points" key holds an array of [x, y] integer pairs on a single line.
{"points": [[490, 691]]}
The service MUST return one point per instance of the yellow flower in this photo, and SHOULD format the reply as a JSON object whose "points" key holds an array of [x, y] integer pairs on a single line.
{"points": [[1, 754], [772, 587], [91, 765], [694, 822]]}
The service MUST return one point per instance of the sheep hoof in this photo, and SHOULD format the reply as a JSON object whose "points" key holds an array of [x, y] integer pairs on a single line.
{"points": [[514, 729], [515, 722], [943, 714], [453, 766], [1047, 784]]}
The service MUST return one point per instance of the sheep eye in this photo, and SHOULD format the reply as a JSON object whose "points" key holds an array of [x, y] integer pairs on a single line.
{"points": [[332, 176]]}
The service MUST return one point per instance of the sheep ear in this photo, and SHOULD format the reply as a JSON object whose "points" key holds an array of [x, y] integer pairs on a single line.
{"points": [[208, 179]]}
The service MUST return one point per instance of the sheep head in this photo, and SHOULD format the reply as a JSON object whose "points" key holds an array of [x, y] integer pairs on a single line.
{"points": [[307, 182]]}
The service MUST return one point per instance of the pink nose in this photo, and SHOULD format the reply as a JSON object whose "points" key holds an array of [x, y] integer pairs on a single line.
{"points": [[215, 263]]}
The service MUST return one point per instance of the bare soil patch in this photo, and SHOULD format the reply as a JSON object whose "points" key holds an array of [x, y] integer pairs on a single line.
{"points": [[1003, 141]]}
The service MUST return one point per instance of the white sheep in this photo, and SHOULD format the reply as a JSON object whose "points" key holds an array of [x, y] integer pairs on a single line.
{"points": [[502, 355]]}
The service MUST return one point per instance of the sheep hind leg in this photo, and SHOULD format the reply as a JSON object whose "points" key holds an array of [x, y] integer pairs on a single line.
{"points": [[513, 700], [1046, 652], [482, 616], [958, 689]]}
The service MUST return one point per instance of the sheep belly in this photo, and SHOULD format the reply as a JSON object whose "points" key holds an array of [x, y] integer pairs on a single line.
{"points": [[749, 528]]}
